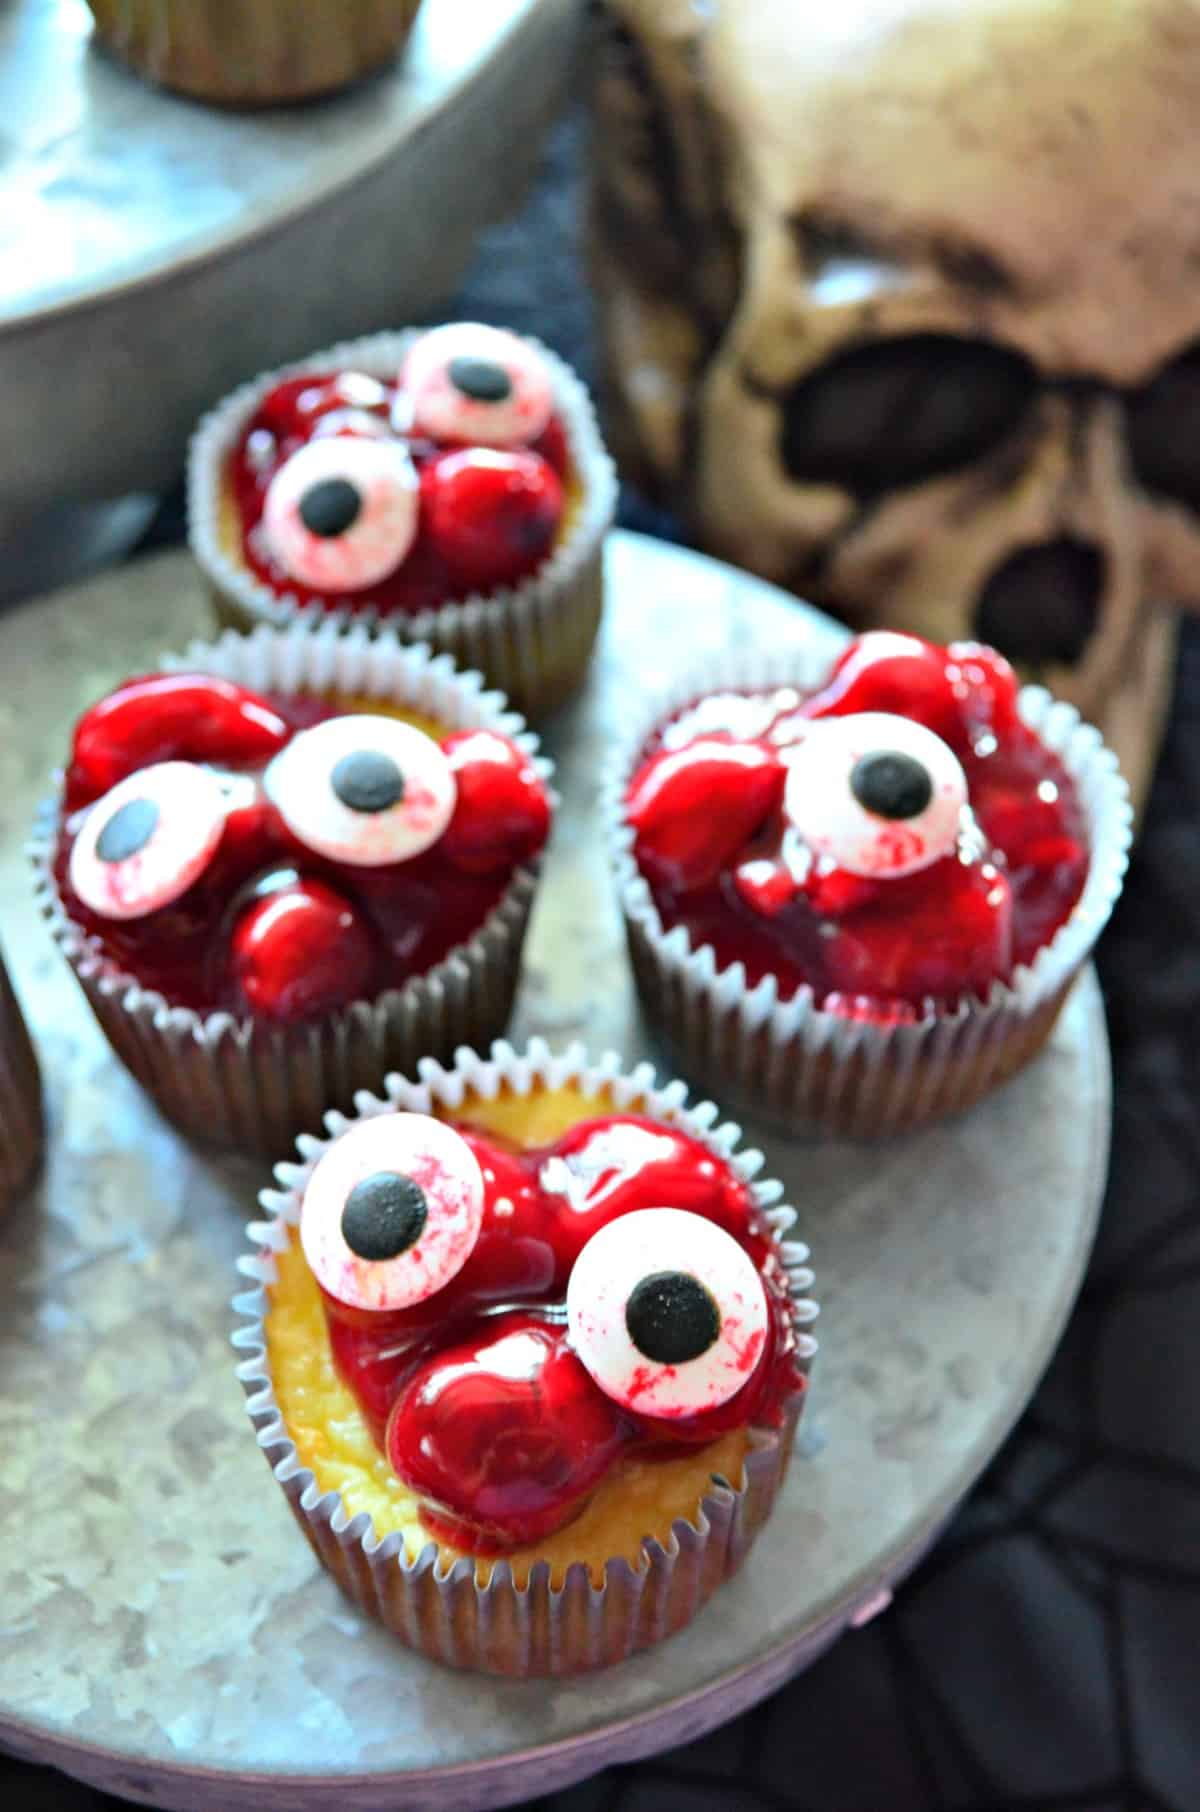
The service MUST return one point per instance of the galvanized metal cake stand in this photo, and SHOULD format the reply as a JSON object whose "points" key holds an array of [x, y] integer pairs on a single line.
{"points": [[155, 252], [166, 1632]]}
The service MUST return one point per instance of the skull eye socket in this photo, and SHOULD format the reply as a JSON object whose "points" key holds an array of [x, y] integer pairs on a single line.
{"points": [[667, 1312], [470, 383], [1164, 430], [363, 790], [875, 794], [899, 411], [392, 1212]]}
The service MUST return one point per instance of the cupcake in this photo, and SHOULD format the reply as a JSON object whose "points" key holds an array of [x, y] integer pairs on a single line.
{"points": [[526, 1353], [21, 1128], [288, 863], [253, 52], [857, 899], [450, 484]]}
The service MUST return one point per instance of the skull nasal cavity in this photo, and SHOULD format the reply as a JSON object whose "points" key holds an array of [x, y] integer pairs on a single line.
{"points": [[1042, 604], [894, 412]]}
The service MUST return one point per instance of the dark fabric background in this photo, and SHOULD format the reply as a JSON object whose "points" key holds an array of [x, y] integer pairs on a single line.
{"points": [[1047, 1655]]}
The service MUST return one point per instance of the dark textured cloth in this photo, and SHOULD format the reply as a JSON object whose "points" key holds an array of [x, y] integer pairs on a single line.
{"points": [[1047, 1655]]}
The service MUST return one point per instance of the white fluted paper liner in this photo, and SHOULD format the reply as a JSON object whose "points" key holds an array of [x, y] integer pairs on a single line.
{"points": [[251, 1086], [801, 1067], [532, 641], [500, 1627], [22, 1131]]}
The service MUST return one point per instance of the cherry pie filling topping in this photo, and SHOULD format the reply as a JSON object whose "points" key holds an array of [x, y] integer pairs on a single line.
{"points": [[513, 1322], [897, 838], [405, 494], [281, 857]]}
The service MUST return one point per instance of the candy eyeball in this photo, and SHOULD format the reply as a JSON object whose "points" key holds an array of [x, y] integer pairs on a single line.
{"points": [[363, 790], [392, 1212], [148, 839], [465, 382], [341, 513], [667, 1312], [876, 795]]}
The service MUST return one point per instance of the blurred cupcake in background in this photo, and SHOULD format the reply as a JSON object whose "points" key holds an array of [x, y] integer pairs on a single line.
{"points": [[252, 53], [450, 486]]}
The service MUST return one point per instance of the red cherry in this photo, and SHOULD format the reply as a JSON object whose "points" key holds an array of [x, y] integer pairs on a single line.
{"points": [[603, 1168], [492, 515], [886, 671], [300, 949], [693, 809], [502, 814], [503, 1435], [170, 717]]}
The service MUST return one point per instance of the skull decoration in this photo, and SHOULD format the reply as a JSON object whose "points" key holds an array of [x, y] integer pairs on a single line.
{"points": [[901, 306]]}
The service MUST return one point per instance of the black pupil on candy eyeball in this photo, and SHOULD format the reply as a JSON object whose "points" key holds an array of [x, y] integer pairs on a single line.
{"points": [[481, 379], [891, 785], [128, 830], [384, 1215], [367, 781], [330, 507], [671, 1317]]}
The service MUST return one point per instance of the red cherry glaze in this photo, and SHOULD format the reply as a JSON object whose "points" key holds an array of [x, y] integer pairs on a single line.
{"points": [[342, 933], [170, 717], [452, 556], [299, 949], [475, 1396], [871, 949], [502, 814], [694, 810]]}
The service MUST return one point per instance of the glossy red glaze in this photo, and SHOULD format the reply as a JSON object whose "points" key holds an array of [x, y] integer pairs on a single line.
{"points": [[869, 947], [337, 933], [475, 1395], [449, 559]]}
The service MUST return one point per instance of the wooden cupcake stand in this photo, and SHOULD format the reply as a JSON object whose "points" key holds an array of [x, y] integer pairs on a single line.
{"points": [[167, 1633]]}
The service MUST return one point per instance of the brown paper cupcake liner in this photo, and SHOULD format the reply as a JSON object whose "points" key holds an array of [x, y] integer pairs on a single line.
{"points": [[532, 641], [252, 1087], [253, 52], [500, 1627], [795, 1065], [22, 1130]]}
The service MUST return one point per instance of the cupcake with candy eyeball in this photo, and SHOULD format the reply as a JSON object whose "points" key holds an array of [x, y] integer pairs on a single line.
{"points": [[526, 1351], [285, 864], [449, 485], [857, 898]]}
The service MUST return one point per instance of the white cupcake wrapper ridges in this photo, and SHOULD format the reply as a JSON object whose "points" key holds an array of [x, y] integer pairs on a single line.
{"points": [[22, 1129], [532, 641], [250, 1086], [796, 1065], [501, 1628]]}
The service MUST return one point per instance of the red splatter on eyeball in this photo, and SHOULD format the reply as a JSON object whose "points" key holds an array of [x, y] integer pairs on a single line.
{"points": [[667, 1312], [876, 795], [341, 513], [363, 790], [146, 841], [392, 1212], [470, 383]]}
